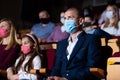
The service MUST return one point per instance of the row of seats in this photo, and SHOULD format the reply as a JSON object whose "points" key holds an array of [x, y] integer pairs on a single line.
{"points": [[113, 63], [50, 55], [111, 68]]}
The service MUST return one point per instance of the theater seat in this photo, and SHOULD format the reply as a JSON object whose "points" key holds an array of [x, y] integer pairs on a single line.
{"points": [[100, 73], [113, 68], [49, 53], [3, 73], [106, 52], [114, 44]]}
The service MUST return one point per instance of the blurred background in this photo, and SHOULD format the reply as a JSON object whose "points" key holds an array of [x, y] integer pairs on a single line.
{"points": [[25, 12]]}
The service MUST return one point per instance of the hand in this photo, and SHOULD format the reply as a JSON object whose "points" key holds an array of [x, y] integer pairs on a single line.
{"points": [[51, 78], [9, 72], [14, 77], [56, 78]]}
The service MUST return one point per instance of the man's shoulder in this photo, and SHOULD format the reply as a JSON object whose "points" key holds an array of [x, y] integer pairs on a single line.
{"points": [[51, 23], [36, 24], [87, 35], [64, 41], [91, 36]]}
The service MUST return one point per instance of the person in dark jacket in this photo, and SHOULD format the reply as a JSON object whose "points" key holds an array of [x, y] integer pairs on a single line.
{"points": [[76, 54]]}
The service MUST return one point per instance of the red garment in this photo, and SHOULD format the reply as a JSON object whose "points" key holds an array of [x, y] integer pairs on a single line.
{"points": [[116, 54], [8, 57], [50, 58]]}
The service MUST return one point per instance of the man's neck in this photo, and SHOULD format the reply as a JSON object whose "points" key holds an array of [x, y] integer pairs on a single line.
{"points": [[44, 24], [73, 35]]}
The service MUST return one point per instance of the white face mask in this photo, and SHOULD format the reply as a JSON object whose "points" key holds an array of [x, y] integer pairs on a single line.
{"points": [[110, 14], [62, 20]]}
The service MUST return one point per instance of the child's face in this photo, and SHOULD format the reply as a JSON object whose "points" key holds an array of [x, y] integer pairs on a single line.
{"points": [[26, 42]]}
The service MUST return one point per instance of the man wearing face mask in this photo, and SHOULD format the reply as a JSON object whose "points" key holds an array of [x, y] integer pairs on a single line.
{"points": [[43, 29], [76, 54]]}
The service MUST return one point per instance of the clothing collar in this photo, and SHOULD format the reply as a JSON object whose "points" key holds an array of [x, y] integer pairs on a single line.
{"points": [[75, 37]]}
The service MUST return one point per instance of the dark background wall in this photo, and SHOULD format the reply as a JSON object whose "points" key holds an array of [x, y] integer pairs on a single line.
{"points": [[25, 12], [11, 9], [30, 8]]}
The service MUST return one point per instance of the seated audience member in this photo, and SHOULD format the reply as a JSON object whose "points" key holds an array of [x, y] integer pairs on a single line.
{"points": [[76, 54], [112, 23], [9, 47], [58, 33], [43, 29], [89, 28], [30, 58], [89, 11], [103, 15]]}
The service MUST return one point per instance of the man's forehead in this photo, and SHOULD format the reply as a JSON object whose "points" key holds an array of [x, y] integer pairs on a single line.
{"points": [[70, 12]]}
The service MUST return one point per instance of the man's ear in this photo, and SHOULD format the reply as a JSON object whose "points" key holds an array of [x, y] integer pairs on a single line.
{"points": [[81, 21], [92, 22]]}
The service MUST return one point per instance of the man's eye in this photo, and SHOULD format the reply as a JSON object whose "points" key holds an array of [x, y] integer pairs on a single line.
{"points": [[70, 17]]}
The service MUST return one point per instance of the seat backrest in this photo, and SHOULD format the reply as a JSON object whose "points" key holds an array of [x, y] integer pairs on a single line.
{"points": [[49, 54], [106, 53], [3, 72], [23, 32], [114, 44], [113, 68], [46, 46]]}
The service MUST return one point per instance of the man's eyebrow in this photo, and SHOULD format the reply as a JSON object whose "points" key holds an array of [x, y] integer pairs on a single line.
{"points": [[70, 16]]}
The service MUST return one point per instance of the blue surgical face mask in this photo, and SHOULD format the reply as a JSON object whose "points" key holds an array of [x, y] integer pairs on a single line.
{"points": [[62, 20], [70, 26], [110, 14]]}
